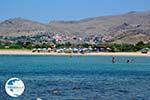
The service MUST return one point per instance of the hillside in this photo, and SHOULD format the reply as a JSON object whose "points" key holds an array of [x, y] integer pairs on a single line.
{"points": [[101, 29], [19, 27]]}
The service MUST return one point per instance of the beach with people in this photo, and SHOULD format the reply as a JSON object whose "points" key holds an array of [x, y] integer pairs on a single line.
{"points": [[29, 52]]}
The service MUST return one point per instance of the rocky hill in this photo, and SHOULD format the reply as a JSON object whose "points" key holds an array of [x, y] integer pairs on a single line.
{"points": [[19, 27], [125, 28]]}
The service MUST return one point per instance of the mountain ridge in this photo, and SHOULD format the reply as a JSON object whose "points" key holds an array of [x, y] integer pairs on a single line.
{"points": [[107, 28]]}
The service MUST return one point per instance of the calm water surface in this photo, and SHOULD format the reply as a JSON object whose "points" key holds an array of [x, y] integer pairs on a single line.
{"points": [[77, 77]]}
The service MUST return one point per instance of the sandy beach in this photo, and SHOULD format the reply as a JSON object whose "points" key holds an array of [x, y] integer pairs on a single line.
{"points": [[29, 52]]}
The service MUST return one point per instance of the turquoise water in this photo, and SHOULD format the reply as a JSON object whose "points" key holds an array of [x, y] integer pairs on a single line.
{"points": [[77, 77]]}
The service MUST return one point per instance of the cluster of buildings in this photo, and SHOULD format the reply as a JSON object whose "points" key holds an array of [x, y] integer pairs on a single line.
{"points": [[73, 50], [62, 50], [47, 37]]}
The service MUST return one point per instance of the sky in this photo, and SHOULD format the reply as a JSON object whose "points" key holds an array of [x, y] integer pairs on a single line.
{"points": [[50, 10]]}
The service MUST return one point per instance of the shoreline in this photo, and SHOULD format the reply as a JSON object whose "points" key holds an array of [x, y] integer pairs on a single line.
{"points": [[29, 52]]}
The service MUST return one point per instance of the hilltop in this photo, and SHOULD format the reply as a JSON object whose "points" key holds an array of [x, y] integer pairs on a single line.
{"points": [[20, 26]]}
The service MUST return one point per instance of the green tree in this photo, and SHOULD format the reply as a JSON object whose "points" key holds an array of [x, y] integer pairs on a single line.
{"points": [[44, 45], [28, 45], [67, 44], [139, 45]]}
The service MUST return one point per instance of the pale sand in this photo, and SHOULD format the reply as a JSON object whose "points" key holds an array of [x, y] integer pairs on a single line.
{"points": [[29, 52]]}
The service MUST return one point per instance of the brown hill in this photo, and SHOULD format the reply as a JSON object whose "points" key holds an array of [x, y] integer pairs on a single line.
{"points": [[108, 28], [111, 27], [103, 25], [19, 27]]}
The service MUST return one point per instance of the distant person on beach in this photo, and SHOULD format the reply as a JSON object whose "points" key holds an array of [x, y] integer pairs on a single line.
{"points": [[113, 60]]}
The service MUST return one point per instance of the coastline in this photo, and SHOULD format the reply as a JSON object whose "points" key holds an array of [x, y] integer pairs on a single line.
{"points": [[29, 52]]}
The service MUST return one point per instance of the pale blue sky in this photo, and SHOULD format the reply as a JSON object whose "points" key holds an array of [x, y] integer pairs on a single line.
{"points": [[48, 10]]}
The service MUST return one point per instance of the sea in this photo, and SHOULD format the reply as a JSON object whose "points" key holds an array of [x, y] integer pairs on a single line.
{"points": [[78, 77]]}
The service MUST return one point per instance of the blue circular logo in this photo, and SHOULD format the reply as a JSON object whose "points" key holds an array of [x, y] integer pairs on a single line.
{"points": [[14, 87]]}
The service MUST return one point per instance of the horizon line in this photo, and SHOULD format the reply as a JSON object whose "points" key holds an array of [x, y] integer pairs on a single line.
{"points": [[72, 20]]}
